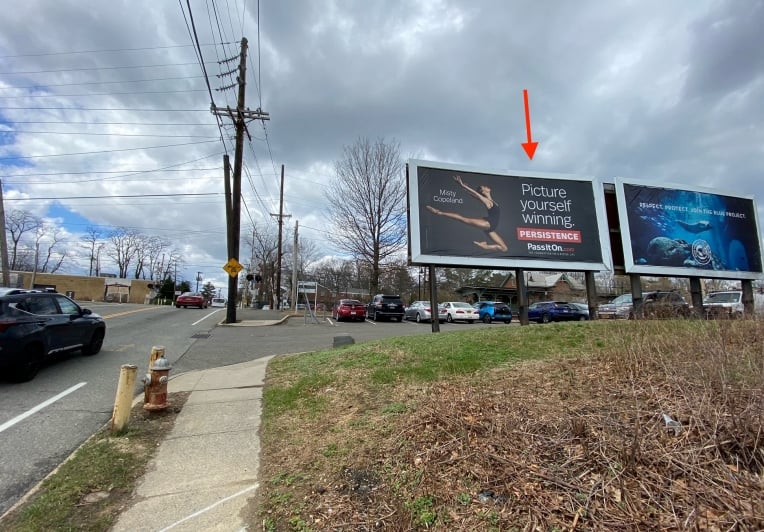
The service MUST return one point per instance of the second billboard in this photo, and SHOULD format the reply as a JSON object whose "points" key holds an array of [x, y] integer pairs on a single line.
{"points": [[465, 216]]}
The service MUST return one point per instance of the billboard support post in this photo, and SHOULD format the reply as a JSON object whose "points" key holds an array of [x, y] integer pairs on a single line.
{"points": [[636, 295], [696, 296], [748, 301], [522, 296], [591, 294], [434, 310]]}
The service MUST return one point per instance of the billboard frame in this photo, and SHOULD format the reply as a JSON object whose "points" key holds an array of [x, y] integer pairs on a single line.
{"points": [[633, 267], [419, 258]]}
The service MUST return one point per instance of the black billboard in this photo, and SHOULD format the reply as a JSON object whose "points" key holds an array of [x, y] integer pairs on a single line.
{"points": [[688, 232], [465, 216]]}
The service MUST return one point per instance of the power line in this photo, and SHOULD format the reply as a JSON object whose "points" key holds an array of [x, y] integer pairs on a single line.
{"points": [[121, 82], [81, 69], [101, 94], [120, 196], [103, 151], [103, 109], [104, 51], [132, 172], [107, 134], [173, 124]]}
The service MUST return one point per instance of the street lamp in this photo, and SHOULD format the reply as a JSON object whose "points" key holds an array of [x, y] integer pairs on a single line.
{"points": [[198, 278]]}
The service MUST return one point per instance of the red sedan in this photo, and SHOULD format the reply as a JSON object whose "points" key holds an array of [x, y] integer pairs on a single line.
{"points": [[191, 299], [349, 309]]}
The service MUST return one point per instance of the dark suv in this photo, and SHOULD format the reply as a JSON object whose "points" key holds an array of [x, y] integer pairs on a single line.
{"points": [[664, 304], [385, 306], [37, 325]]}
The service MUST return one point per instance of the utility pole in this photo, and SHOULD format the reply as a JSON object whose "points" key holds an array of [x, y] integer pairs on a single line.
{"points": [[198, 278], [281, 217], [233, 210], [4, 243], [295, 253]]}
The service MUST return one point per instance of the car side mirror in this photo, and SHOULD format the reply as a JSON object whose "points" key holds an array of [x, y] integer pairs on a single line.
{"points": [[86, 311]]}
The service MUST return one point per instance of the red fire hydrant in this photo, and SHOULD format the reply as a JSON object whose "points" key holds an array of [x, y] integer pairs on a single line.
{"points": [[155, 385]]}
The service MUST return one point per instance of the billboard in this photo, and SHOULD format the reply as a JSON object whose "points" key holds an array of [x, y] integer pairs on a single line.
{"points": [[688, 232], [463, 216]]}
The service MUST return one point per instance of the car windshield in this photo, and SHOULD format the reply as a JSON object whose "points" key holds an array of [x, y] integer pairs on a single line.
{"points": [[350, 302], [622, 299], [462, 305], [723, 297]]}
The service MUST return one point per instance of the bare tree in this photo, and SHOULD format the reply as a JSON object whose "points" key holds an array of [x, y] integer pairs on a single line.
{"points": [[93, 237], [263, 246], [20, 223], [367, 203], [122, 248], [51, 237]]}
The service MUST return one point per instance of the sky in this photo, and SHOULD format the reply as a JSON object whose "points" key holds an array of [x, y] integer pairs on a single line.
{"points": [[109, 100]]}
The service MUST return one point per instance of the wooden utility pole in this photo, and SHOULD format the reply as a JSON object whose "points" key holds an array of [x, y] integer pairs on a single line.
{"points": [[281, 217], [233, 210], [4, 243], [295, 253]]}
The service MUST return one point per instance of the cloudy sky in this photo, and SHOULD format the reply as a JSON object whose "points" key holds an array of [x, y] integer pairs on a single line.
{"points": [[108, 100]]}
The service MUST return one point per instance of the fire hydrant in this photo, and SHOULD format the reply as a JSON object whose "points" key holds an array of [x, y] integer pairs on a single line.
{"points": [[155, 385]]}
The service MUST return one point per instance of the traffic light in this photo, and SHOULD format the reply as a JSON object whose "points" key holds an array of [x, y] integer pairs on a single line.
{"points": [[250, 277], [258, 278]]}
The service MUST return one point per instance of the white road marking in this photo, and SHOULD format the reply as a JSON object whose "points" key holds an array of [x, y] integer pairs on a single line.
{"points": [[21, 417], [207, 316], [210, 507]]}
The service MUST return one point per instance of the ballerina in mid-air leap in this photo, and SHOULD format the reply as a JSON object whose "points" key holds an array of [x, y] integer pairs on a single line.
{"points": [[487, 224]]}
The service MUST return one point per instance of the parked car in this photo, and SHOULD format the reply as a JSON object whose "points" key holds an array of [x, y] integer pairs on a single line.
{"points": [[655, 304], [664, 304], [489, 311], [34, 326], [218, 302], [349, 309], [619, 308], [452, 311], [384, 306], [724, 304], [549, 311], [191, 299], [418, 311], [583, 308]]}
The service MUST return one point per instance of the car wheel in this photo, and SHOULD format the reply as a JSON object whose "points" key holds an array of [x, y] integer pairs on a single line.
{"points": [[470, 321], [449, 319], [545, 318], [29, 367], [418, 318], [487, 318], [177, 306], [95, 344]]}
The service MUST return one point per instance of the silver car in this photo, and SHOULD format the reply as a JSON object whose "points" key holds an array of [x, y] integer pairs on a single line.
{"points": [[418, 311]]}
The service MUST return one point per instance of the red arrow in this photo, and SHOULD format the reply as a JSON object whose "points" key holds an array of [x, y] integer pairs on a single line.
{"points": [[530, 146]]}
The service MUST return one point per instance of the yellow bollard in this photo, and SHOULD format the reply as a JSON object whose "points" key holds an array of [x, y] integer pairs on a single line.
{"points": [[124, 400]]}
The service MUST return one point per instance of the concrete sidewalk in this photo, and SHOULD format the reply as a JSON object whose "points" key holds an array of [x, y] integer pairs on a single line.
{"points": [[206, 469]]}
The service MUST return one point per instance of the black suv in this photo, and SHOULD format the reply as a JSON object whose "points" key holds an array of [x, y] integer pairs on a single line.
{"points": [[37, 325], [384, 306], [664, 304]]}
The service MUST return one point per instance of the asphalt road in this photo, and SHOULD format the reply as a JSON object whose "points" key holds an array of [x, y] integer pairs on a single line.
{"points": [[44, 420]]}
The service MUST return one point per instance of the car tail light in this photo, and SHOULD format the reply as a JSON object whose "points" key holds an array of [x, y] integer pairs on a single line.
{"points": [[5, 325]]}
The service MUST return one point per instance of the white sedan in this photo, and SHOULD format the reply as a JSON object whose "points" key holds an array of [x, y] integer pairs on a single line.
{"points": [[452, 311]]}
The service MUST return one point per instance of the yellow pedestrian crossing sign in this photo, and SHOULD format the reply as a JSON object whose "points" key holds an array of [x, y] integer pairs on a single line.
{"points": [[233, 267]]}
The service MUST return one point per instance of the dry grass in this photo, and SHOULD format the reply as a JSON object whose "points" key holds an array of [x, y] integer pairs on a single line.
{"points": [[569, 442]]}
